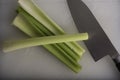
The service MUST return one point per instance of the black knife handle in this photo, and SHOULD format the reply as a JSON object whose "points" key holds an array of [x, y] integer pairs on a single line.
{"points": [[117, 62]]}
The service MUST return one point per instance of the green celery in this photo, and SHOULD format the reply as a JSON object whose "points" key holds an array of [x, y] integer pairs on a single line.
{"points": [[24, 43], [39, 15], [43, 34], [24, 26], [47, 32]]}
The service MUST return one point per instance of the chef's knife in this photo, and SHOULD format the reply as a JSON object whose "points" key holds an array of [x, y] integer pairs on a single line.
{"points": [[98, 44]]}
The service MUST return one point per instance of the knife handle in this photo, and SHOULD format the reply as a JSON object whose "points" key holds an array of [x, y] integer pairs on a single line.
{"points": [[117, 62]]}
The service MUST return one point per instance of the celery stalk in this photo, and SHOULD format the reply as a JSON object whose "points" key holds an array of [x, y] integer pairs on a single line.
{"points": [[38, 26], [60, 50], [39, 15], [24, 43], [20, 23], [21, 19]]}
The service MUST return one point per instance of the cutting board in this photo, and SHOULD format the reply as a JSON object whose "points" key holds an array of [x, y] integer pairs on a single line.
{"points": [[36, 62]]}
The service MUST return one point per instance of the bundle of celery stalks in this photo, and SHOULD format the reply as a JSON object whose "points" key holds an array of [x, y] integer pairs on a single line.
{"points": [[44, 31]]}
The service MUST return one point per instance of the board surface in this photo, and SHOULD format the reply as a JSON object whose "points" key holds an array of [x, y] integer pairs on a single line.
{"points": [[36, 62]]}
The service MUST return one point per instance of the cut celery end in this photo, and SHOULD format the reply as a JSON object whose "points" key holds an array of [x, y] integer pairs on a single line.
{"points": [[23, 25]]}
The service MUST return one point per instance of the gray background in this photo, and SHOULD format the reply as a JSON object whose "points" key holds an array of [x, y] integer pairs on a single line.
{"points": [[36, 62]]}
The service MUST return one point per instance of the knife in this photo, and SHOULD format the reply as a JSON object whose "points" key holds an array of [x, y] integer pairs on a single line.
{"points": [[98, 44]]}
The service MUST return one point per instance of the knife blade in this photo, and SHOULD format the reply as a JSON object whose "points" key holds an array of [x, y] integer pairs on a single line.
{"points": [[98, 44]]}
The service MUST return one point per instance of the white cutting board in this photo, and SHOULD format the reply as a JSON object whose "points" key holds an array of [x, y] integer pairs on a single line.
{"points": [[36, 62]]}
